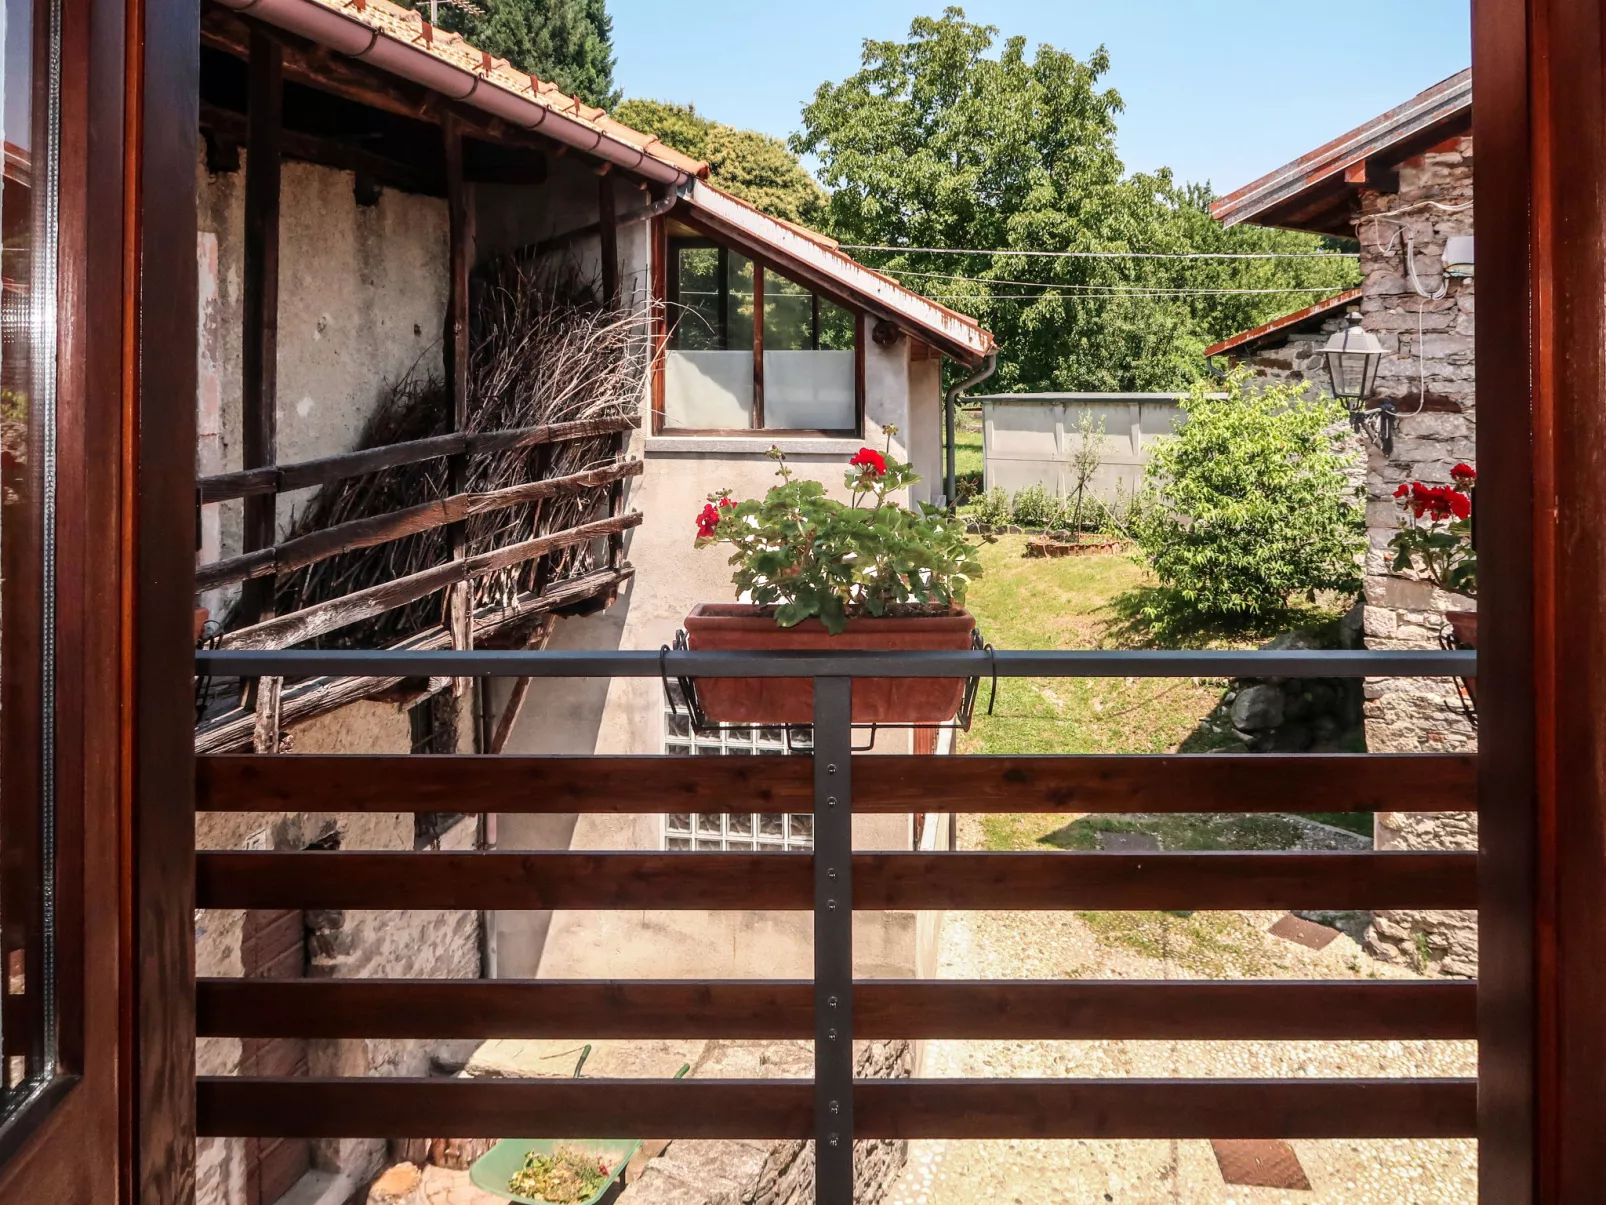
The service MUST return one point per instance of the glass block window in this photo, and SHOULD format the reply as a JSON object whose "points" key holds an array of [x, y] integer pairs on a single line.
{"points": [[744, 830]]}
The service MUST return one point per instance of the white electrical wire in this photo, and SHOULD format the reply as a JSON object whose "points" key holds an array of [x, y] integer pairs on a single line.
{"points": [[1107, 254], [1052, 284], [1079, 296]]}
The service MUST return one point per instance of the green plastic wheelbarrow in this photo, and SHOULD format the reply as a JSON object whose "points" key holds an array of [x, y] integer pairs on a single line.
{"points": [[492, 1170]]}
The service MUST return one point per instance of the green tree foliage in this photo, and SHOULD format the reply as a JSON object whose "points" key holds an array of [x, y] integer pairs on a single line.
{"points": [[565, 42], [1248, 503], [753, 166], [951, 140]]}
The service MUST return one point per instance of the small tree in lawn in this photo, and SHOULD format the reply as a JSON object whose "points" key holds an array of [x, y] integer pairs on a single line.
{"points": [[1085, 461], [1249, 504]]}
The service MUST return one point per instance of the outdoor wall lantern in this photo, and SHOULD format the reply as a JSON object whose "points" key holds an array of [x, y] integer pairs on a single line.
{"points": [[1353, 354]]}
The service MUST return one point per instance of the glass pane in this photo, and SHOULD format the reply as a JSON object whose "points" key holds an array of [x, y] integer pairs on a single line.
{"points": [[739, 320], [838, 327], [812, 389], [27, 454], [694, 314], [788, 317], [708, 390], [712, 308]]}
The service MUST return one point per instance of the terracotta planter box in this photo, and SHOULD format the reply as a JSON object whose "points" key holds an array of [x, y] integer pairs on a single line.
{"points": [[742, 627]]}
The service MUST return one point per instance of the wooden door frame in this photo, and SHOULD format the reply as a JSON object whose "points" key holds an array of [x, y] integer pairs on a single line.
{"points": [[1538, 128], [159, 572], [1539, 86]]}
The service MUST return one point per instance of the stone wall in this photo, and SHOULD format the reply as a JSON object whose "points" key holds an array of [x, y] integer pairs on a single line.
{"points": [[1429, 370], [1298, 356], [424, 944]]}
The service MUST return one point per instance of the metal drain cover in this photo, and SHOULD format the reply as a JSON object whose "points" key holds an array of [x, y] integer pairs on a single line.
{"points": [[1305, 932], [1259, 1163]]}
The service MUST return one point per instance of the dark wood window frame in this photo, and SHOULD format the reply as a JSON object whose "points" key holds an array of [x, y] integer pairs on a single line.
{"points": [[666, 278]]}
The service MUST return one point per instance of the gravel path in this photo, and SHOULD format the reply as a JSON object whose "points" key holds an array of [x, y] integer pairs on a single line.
{"points": [[996, 945]]}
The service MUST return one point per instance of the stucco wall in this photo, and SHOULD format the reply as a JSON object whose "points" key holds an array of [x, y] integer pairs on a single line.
{"points": [[1432, 377], [362, 298]]}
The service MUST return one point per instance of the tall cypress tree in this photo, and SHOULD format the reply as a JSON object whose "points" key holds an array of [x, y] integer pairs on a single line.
{"points": [[565, 42]]}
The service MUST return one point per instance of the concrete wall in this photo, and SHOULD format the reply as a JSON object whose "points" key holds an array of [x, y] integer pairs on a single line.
{"points": [[1429, 370], [421, 944], [1029, 439]]}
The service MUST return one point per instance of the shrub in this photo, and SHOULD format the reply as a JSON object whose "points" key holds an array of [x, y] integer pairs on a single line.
{"points": [[992, 508], [1248, 502], [1036, 507]]}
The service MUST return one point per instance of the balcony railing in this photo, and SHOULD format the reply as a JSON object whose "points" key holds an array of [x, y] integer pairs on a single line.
{"points": [[833, 882]]}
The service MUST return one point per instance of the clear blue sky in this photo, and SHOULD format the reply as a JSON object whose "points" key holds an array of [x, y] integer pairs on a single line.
{"points": [[1218, 90]]}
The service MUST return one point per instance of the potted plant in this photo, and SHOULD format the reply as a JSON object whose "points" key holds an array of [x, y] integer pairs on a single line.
{"points": [[1435, 539], [823, 574]]}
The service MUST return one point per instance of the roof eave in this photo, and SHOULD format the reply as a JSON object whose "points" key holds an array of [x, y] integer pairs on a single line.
{"points": [[960, 337], [1275, 199]]}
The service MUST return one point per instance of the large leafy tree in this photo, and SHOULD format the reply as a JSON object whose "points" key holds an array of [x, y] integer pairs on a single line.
{"points": [[950, 140], [565, 42], [753, 166]]}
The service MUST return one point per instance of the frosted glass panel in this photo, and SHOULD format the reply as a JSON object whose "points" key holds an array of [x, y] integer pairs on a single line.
{"points": [[708, 390], [812, 389]]}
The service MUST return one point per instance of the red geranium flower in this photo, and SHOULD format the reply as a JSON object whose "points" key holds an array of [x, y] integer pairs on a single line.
{"points": [[1402, 491], [1460, 505], [871, 461], [709, 519], [1463, 473]]}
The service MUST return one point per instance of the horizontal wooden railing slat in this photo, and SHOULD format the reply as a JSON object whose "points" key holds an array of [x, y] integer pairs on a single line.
{"points": [[1166, 1108], [318, 695], [272, 479], [377, 1107], [1109, 1010], [321, 618], [784, 881], [1417, 782], [379, 529]]}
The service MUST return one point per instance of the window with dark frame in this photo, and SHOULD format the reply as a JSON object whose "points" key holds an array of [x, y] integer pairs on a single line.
{"points": [[749, 349], [29, 64]]}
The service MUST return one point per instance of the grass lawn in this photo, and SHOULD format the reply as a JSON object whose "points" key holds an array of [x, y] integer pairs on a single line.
{"points": [[1095, 603], [967, 442]]}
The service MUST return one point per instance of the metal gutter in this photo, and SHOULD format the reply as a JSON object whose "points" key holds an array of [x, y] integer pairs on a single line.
{"points": [[356, 39], [1444, 100]]}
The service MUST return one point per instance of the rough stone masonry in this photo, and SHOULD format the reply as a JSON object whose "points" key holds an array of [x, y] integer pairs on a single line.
{"points": [[1428, 369]]}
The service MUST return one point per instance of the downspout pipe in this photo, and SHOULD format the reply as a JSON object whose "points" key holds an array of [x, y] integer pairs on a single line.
{"points": [[950, 408]]}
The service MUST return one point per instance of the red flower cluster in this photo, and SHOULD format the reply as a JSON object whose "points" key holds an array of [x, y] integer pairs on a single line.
{"points": [[1463, 475], [1436, 501], [870, 460], [709, 519]]}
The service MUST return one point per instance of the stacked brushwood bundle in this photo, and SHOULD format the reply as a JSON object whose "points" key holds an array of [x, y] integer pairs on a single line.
{"points": [[543, 351]]}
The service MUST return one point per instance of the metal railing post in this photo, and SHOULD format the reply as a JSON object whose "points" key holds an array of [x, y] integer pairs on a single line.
{"points": [[833, 941]]}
